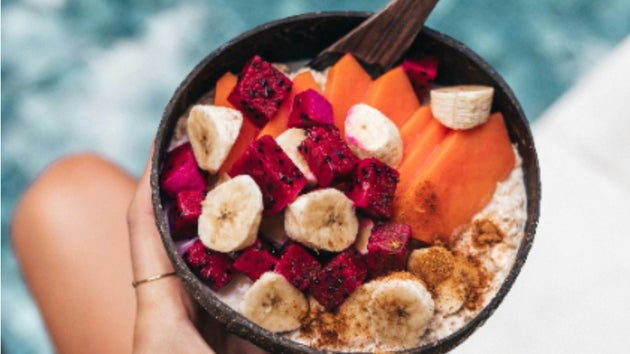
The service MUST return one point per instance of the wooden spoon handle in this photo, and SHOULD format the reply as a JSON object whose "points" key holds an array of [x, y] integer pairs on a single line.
{"points": [[382, 39]]}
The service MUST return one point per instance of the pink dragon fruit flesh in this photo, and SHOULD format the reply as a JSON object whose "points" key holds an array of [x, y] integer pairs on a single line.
{"points": [[185, 212], [388, 248], [327, 154], [181, 172], [338, 279], [421, 72], [214, 268], [260, 91], [310, 109], [255, 260], [280, 181], [298, 266], [372, 188]]}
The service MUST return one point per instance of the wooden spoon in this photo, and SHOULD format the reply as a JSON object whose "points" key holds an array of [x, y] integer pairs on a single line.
{"points": [[381, 40]]}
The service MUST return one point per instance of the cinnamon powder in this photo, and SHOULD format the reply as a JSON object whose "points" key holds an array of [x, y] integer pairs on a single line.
{"points": [[485, 233], [436, 264]]}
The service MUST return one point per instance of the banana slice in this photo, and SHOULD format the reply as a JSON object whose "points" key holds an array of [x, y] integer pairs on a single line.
{"points": [[450, 296], [212, 131], [274, 304], [323, 219], [370, 133], [355, 315], [363, 237], [231, 214], [400, 311], [289, 141], [462, 107]]}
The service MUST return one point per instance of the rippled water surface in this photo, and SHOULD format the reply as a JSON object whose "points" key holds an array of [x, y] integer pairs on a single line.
{"points": [[96, 74]]}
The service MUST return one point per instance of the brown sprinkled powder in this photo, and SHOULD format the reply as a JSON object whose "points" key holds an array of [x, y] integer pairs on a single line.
{"points": [[437, 264], [485, 232], [474, 277], [324, 327], [433, 265]]}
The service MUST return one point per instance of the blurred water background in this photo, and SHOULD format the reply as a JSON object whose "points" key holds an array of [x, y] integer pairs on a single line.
{"points": [[96, 74]]}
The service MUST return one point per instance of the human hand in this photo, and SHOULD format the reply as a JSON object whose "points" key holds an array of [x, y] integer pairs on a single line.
{"points": [[165, 314], [167, 320]]}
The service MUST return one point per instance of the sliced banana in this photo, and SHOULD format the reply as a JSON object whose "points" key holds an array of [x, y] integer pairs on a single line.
{"points": [[450, 296], [462, 107], [370, 133], [323, 219], [355, 315], [274, 304], [231, 214], [212, 131], [400, 311], [289, 141], [363, 237]]}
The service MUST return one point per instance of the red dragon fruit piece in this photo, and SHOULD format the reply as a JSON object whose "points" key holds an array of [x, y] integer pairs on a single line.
{"points": [[255, 260], [181, 172], [310, 109], [338, 279], [185, 213], [196, 256], [298, 266], [260, 91], [388, 248], [280, 181], [372, 188], [327, 154], [421, 72], [218, 271], [215, 268]]}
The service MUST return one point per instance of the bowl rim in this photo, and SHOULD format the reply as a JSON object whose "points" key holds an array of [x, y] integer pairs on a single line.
{"points": [[238, 324]]}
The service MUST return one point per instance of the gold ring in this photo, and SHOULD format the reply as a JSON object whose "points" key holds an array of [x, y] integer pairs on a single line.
{"points": [[135, 283]]}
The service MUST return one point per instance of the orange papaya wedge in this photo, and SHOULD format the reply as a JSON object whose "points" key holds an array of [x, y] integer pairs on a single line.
{"points": [[393, 95], [346, 85], [456, 182]]}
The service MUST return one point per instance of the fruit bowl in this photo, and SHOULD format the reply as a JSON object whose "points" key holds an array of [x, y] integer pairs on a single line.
{"points": [[299, 38]]}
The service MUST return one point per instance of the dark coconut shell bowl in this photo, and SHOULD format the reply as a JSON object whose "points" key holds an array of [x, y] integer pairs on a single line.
{"points": [[300, 38]]}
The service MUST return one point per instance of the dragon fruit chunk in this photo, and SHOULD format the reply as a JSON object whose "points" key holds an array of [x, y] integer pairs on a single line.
{"points": [[338, 279], [181, 172], [388, 248], [327, 154], [260, 91], [421, 72], [310, 109], [185, 213], [196, 256], [255, 260], [280, 181], [298, 266], [215, 269], [219, 270], [372, 188]]}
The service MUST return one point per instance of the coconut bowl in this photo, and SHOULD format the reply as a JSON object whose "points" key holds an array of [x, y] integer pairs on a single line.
{"points": [[300, 38]]}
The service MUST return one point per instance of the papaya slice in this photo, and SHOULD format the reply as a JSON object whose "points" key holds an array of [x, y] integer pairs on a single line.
{"points": [[411, 165], [456, 182], [248, 131], [302, 82], [393, 95], [346, 85], [223, 87], [413, 127]]}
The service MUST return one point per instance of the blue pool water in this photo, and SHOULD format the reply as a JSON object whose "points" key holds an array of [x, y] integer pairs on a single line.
{"points": [[96, 74]]}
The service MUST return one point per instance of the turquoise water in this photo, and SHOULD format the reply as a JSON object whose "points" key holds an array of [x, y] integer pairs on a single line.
{"points": [[96, 75]]}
